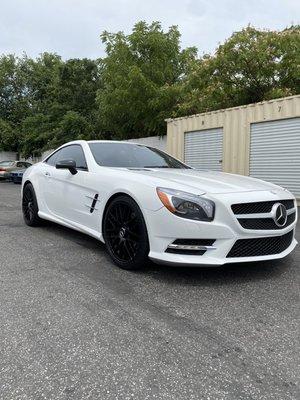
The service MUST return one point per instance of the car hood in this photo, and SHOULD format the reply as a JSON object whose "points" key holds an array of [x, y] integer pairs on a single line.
{"points": [[207, 181]]}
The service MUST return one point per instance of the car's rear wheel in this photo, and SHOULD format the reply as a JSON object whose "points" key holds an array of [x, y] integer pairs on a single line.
{"points": [[30, 206], [125, 233]]}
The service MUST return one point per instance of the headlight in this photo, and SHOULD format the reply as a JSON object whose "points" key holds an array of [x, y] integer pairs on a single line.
{"points": [[187, 205]]}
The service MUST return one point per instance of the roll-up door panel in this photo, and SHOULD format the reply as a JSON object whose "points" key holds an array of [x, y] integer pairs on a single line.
{"points": [[275, 153], [204, 149]]}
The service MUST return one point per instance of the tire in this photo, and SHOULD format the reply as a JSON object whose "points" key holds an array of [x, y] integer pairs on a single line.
{"points": [[30, 206], [125, 233]]}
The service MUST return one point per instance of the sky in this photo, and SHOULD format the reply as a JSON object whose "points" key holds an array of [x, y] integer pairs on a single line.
{"points": [[71, 28]]}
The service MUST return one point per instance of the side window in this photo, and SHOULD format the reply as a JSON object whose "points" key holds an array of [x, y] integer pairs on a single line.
{"points": [[20, 164], [73, 152], [52, 159]]}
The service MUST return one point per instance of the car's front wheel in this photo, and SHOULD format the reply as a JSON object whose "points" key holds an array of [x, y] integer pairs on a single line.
{"points": [[125, 233], [30, 206]]}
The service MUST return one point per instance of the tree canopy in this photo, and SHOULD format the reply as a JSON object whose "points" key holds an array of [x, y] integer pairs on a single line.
{"points": [[251, 66], [141, 79], [144, 78]]}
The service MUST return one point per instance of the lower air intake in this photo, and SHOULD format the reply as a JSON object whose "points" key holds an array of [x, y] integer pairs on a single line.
{"points": [[261, 246]]}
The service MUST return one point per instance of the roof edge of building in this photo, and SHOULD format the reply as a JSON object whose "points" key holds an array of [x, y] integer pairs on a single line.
{"points": [[233, 108]]}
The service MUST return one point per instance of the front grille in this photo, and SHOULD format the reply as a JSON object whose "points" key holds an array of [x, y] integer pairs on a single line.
{"points": [[261, 246], [265, 223], [259, 207]]}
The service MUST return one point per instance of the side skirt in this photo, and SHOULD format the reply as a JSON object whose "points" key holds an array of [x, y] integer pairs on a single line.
{"points": [[72, 225]]}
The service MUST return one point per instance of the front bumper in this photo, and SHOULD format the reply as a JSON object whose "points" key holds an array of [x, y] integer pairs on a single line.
{"points": [[164, 228], [16, 178]]}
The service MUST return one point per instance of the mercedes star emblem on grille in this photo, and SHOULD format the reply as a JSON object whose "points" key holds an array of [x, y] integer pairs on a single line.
{"points": [[279, 214]]}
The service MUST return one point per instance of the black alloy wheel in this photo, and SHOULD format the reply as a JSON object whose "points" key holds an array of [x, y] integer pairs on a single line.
{"points": [[125, 233], [30, 207]]}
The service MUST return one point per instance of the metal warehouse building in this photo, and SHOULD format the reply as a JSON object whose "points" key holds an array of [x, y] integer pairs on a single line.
{"points": [[261, 140]]}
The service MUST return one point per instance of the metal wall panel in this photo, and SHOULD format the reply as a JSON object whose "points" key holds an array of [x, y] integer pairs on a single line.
{"points": [[275, 153], [236, 123], [159, 142], [8, 156], [204, 149], [236, 128]]}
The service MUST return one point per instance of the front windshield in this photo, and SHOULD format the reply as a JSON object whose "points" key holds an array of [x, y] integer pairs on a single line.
{"points": [[132, 156]]}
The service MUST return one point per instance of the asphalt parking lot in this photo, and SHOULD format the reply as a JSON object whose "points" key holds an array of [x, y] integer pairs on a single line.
{"points": [[73, 326]]}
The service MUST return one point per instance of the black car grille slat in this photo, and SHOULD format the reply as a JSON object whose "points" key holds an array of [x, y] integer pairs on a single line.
{"points": [[265, 223], [260, 207], [261, 246], [186, 252], [196, 242]]}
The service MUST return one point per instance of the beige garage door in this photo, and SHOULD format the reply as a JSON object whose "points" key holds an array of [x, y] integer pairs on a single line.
{"points": [[204, 149], [275, 153]]}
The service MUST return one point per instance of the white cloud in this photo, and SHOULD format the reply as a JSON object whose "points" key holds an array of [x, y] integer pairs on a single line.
{"points": [[72, 28]]}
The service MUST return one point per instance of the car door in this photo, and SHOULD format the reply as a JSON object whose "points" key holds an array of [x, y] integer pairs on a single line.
{"points": [[64, 193], [47, 199]]}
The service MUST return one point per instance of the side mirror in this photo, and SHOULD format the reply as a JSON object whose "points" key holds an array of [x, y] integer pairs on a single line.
{"points": [[67, 164]]}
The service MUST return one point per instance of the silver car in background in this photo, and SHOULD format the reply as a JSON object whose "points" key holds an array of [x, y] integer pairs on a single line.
{"points": [[6, 167]]}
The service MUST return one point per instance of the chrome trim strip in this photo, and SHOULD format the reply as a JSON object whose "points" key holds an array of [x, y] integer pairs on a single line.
{"points": [[190, 247], [262, 215], [88, 206], [92, 198], [254, 216]]}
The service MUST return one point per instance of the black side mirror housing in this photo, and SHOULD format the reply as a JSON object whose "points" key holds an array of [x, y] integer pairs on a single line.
{"points": [[67, 164]]}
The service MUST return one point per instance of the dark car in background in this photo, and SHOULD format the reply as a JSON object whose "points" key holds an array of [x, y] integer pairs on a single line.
{"points": [[17, 176], [6, 167]]}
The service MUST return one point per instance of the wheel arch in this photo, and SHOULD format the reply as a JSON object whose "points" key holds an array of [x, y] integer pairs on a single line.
{"points": [[24, 184], [27, 182], [119, 194]]}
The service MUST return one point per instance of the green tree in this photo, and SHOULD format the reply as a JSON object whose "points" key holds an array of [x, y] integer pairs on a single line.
{"points": [[37, 131], [41, 132], [141, 80], [63, 99], [144, 78], [14, 104], [13, 99], [73, 126], [9, 139], [76, 85], [251, 66]]}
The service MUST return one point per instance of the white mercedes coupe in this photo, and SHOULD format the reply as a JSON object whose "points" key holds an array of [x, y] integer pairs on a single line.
{"points": [[141, 203]]}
